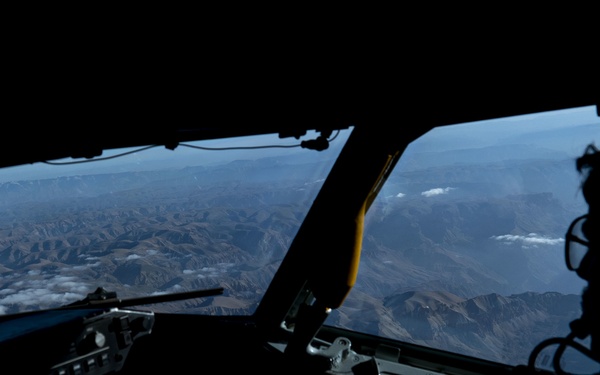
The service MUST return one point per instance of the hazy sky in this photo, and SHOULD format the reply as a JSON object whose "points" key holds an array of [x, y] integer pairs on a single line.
{"points": [[161, 157], [509, 129], [480, 133]]}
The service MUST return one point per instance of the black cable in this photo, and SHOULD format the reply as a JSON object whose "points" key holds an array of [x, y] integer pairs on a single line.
{"points": [[335, 136], [538, 349], [251, 147], [100, 159], [560, 351], [569, 341], [185, 145], [563, 342], [238, 147]]}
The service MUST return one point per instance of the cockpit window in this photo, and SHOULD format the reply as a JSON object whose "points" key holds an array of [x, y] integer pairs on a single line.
{"points": [[463, 248], [147, 221]]}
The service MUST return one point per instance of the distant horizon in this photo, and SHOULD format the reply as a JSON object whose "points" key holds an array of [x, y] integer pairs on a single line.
{"points": [[443, 138], [159, 157], [494, 131]]}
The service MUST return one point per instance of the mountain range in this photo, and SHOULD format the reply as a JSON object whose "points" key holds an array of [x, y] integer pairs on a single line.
{"points": [[451, 258]]}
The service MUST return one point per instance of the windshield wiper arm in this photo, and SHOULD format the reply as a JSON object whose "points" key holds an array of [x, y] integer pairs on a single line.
{"points": [[103, 298]]}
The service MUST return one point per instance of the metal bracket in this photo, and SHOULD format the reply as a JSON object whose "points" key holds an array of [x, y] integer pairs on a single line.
{"points": [[342, 359]]}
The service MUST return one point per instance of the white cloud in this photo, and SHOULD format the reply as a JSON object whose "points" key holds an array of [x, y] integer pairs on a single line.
{"points": [[129, 257], [85, 266], [400, 195], [48, 292], [41, 296], [531, 240], [315, 182], [436, 191], [205, 272], [174, 289]]}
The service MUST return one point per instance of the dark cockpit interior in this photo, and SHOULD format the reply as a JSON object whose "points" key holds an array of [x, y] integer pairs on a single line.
{"points": [[304, 316]]}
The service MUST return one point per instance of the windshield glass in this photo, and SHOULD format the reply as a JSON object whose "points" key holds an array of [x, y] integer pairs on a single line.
{"points": [[210, 214], [463, 248]]}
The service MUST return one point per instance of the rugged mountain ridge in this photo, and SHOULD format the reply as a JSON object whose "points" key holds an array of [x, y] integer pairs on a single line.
{"points": [[492, 326], [431, 271]]}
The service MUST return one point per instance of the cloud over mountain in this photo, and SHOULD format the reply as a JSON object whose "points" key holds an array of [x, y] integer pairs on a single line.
{"points": [[43, 291], [530, 240], [436, 191]]}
